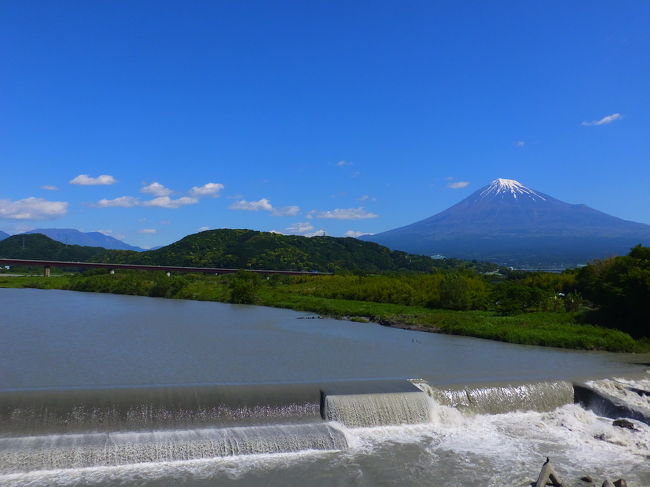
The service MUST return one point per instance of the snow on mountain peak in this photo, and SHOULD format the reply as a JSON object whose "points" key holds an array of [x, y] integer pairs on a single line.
{"points": [[503, 186]]}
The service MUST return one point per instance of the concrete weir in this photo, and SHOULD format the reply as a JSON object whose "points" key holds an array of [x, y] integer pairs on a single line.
{"points": [[607, 405], [376, 403], [499, 398]]}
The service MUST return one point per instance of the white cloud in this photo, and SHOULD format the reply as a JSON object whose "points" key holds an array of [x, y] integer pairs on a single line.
{"points": [[355, 234], [300, 227], [49, 187], [367, 197], [343, 214], [520, 143], [167, 202], [203, 229], [208, 189], [264, 204], [156, 189], [121, 202], [148, 230], [343, 163], [286, 211], [85, 180], [105, 231], [603, 121], [304, 229], [32, 209], [458, 184]]}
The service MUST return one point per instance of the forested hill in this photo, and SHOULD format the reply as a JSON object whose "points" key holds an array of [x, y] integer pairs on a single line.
{"points": [[247, 249], [250, 249], [39, 247]]}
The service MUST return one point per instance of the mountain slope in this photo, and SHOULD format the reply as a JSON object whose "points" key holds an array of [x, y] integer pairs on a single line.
{"points": [[40, 247], [3, 235], [508, 223], [70, 236], [245, 249], [249, 249]]}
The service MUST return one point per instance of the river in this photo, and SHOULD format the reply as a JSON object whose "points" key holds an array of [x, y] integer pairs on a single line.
{"points": [[118, 390]]}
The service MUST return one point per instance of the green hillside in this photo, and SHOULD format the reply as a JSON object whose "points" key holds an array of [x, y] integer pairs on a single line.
{"points": [[246, 249], [249, 249], [39, 247]]}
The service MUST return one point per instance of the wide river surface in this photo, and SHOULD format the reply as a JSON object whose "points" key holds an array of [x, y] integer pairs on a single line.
{"points": [[67, 341]]}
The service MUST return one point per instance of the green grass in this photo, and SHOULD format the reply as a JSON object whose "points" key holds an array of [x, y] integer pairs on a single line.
{"points": [[543, 328], [36, 282]]}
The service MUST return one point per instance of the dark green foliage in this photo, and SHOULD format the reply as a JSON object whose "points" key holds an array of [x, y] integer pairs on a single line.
{"points": [[620, 288], [449, 290], [249, 249], [35, 246], [512, 297], [243, 249], [243, 287], [462, 291], [39, 247]]}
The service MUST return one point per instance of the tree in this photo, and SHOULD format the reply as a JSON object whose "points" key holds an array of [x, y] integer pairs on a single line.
{"points": [[243, 288], [620, 288]]}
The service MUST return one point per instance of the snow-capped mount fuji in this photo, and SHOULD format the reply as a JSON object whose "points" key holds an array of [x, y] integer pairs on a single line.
{"points": [[508, 223], [509, 188]]}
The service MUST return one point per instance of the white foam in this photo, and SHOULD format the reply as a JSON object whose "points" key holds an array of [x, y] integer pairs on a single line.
{"points": [[453, 448], [620, 389], [510, 448]]}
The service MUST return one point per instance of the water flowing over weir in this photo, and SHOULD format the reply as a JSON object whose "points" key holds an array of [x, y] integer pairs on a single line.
{"points": [[35, 412], [112, 449], [61, 430], [502, 398], [376, 404]]}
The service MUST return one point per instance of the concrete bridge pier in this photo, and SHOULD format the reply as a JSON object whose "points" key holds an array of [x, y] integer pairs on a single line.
{"points": [[47, 271]]}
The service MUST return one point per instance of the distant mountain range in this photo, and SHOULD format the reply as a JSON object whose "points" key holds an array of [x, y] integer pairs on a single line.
{"points": [[243, 249], [510, 224], [70, 236], [3, 235]]}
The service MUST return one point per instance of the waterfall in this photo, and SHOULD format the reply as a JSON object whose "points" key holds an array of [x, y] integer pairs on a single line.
{"points": [[378, 409], [23, 454], [502, 398], [35, 412]]}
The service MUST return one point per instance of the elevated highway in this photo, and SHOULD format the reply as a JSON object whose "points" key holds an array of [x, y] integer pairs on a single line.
{"points": [[47, 266]]}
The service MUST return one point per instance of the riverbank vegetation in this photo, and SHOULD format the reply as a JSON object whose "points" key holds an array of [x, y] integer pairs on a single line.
{"points": [[559, 310]]}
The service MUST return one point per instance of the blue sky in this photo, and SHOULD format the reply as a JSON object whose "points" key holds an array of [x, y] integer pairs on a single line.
{"points": [[152, 120]]}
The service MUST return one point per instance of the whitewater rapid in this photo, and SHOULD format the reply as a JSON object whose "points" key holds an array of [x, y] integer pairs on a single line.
{"points": [[454, 447]]}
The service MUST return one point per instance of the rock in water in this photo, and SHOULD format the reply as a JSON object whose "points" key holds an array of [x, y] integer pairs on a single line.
{"points": [[624, 423]]}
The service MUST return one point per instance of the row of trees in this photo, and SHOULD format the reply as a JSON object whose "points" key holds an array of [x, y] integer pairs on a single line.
{"points": [[458, 290]]}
